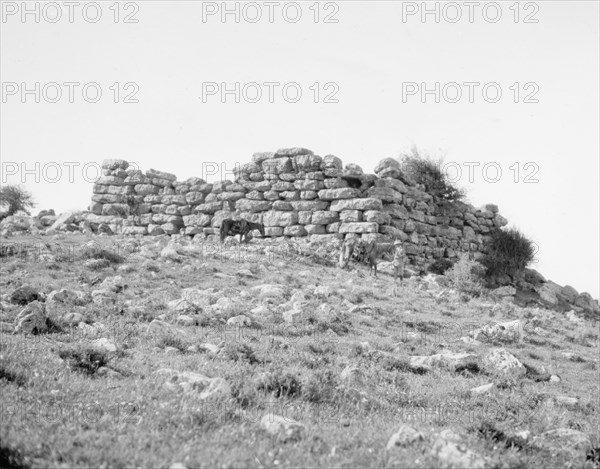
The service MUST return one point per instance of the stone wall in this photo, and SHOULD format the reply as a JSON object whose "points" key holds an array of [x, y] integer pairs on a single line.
{"points": [[294, 193]]}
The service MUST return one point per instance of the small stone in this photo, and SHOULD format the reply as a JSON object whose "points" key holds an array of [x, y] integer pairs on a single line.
{"points": [[105, 345], [486, 388], [285, 428], [239, 321], [502, 361], [405, 436], [32, 319], [23, 295]]}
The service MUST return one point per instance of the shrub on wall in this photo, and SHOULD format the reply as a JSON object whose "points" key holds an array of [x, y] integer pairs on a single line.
{"points": [[423, 169], [440, 266], [508, 253], [466, 276]]}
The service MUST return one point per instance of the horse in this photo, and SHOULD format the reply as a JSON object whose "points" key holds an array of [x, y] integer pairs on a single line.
{"points": [[242, 227], [363, 251]]}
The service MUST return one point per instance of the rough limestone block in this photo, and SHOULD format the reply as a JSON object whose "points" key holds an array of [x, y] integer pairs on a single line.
{"points": [[261, 186], [336, 194], [311, 205], [164, 183], [146, 189], [282, 205], [170, 228], [231, 196], [333, 172], [388, 167], [417, 215], [221, 215], [273, 231], [256, 177], [153, 199], [391, 183], [281, 186], [356, 204], [154, 174], [210, 207], [304, 217], [277, 166], [350, 216], [145, 219], [96, 208], [365, 227], [308, 162], [377, 216], [290, 195], [292, 152], [158, 208], [108, 198], [324, 217], [276, 218], [162, 218], [136, 177], [247, 205], [333, 227], [294, 230], [308, 195], [110, 181], [316, 175], [135, 230], [114, 164], [335, 183], [220, 186], [177, 199], [288, 177], [331, 162], [235, 187], [121, 210], [195, 197], [271, 195], [309, 185], [393, 232], [387, 194], [315, 229]]}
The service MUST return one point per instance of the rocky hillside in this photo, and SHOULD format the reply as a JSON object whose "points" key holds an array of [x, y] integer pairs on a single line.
{"points": [[167, 352]]}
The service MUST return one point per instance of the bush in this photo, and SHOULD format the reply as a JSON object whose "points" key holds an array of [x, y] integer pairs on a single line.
{"points": [[466, 276], [509, 252], [440, 266], [423, 169], [84, 359], [15, 199]]}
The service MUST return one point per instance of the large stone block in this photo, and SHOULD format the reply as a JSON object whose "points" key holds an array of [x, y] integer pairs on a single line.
{"points": [[282, 205], [336, 194], [391, 183], [288, 177], [304, 217], [387, 194], [247, 205], [136, 177], [294, 230], [333, 227], [114, 164], [377, 216], [210, 207], [221, 215], [175, 199], [388, 167], [255, 195], [356, 204], [335, 183], [393, 232], [110, 181], [308, 162], [350, 216], [108, 198], [290, 195], [162, 218], [195, 197], [277, 166], [331, 162], [324, 217], [262, 186], [315, 229], [396, 211], [271, 195], [311, 205], [365, 227], [292, 152], [201, 219], [154, 174], [231, 196], [273, 231], [308, 195], [146, 189], [276, 218], [262, 156], [309, 185], [281, 186]]}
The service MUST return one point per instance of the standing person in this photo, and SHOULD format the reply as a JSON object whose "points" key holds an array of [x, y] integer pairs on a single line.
{"points": [[398, 262], [346, 251]]}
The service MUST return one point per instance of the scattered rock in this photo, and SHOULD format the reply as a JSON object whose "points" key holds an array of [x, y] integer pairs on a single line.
{"points": [[187, 321], [352, 374], [105, 345], [486, 388], [452, 455], [269, 291], [23, 295], [562, 440], [405, 436], [505, 332], [285, 428], [502, 361], [443, 360], [571, 316], [239, 321], [32, 319]]}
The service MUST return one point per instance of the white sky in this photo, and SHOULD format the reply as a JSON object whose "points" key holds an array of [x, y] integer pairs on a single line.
{"points": [[369, 53]]}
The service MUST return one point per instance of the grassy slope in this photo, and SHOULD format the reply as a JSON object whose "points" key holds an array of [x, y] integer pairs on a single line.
{"points": [[133, 420]]}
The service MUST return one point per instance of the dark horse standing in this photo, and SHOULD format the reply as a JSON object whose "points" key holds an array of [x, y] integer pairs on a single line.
{"points": [[242, 227]]}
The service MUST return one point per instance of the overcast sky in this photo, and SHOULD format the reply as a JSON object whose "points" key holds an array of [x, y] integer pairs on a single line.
{"points": [[365, 63]]}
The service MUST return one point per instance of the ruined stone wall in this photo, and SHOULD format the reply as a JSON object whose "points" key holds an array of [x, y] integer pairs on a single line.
{"points": [[294, 193]]}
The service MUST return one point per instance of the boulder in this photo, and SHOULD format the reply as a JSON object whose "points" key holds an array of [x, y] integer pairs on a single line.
{"points": [[32, 319]]}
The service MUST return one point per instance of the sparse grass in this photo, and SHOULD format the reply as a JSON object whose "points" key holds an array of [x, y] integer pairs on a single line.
{"points": [[290, 369]]}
